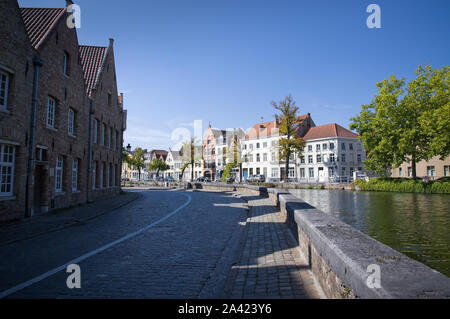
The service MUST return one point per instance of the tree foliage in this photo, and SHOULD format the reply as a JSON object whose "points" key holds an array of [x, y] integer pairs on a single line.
{"points": [[158, 165], [137, 160], [406, 122], [190, 156], [289, 126]]}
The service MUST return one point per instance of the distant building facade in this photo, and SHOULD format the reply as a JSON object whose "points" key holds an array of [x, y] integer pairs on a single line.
{"points": [[433, 169], [260, 150], [332, 154]]}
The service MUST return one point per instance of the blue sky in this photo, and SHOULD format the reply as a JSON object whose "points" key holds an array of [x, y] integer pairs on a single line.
{"points": [[223, 61]]}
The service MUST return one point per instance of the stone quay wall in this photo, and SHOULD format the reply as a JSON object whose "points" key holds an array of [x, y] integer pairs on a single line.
{"points": [[346, 262]]}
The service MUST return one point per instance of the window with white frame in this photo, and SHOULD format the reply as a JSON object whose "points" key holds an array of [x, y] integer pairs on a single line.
{"points": [[319, 158], [94, 175], [275, 172], [332, 159], [114, 182], [108, 175], [4, 84], [343, 158], [59, 174], [358, 158], [109, 137], [7, 158], [310, 159], [102, 168], [51, 111], [302, 173], [291, 172], [75, 175], [331, 171], [265, 157], [71, 122], [311, 172], [446, 170]]}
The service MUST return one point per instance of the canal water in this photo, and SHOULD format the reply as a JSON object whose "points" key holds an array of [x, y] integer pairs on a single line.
{"points": [[418, 225]]}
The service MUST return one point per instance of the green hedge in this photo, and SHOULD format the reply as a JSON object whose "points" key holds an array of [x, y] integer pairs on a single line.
{"points": [[405, 185]]}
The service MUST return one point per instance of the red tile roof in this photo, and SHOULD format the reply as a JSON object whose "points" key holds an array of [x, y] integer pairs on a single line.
{"points": [[39, 22], [329, 130], [267, 128], [91, 58]]}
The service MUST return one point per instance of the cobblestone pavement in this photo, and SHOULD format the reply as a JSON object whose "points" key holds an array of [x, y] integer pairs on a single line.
{"points": [[187, 255], [27, 228], [165, 244], [269, 264]]}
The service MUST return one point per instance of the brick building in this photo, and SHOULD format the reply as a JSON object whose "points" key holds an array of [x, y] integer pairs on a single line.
{"points": [[54, 88], [434, 169], [17, 70], [107, 117]]}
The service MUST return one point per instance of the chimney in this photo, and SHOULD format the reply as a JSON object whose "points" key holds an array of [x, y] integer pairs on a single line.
{"points": [[68, 3], [129, 148], [111, 42]]}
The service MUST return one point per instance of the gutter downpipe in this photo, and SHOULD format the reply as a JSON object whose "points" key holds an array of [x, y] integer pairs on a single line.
{"points": [[37, 63]]}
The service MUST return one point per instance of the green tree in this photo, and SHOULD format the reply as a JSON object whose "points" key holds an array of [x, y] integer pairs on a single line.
{"points": [[137, 160], [289, 126], [234, 152], [406, 122], [158, 165], [126, 157], [190, 157]]}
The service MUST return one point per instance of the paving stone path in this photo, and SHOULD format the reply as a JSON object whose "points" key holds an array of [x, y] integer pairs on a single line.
{"points": [[164, 244], [269, 264]]}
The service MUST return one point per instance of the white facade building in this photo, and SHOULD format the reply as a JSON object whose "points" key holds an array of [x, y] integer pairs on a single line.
{"points": [[332, 154], [225, 146], [260, 150], [175, 162]]}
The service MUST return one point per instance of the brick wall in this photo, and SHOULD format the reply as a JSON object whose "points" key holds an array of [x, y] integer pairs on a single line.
{"points": [[108, 111], [16, 56], [69, 92]]}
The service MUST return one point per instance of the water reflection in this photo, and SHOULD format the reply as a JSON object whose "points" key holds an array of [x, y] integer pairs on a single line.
{"points": [[415, 224]]}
